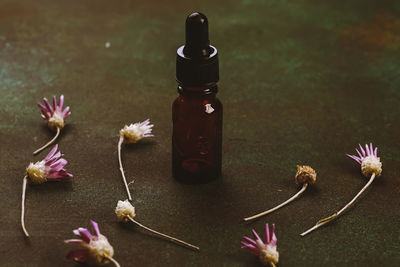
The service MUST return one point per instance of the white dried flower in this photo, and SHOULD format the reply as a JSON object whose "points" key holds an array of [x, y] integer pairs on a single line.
{"points": [[137, 131], [124, 210], [132, 134]]}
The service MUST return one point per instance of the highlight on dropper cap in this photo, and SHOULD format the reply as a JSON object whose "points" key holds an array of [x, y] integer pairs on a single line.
{"points": [[197, 41]]}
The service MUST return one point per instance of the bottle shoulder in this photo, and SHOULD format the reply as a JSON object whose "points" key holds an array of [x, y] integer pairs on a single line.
{"points": [[194, 101]]}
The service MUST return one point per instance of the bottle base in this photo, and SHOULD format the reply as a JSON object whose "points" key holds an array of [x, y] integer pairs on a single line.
{"points": [[195, 171]]}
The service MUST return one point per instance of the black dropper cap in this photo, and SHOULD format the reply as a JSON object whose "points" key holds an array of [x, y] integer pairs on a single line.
{"points": [[197, 60]]}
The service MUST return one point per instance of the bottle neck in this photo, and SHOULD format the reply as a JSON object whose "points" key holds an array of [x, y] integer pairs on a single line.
{"points": [[198, 91]]}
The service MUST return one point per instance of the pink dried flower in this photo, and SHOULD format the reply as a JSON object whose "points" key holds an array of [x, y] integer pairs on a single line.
{"points": [[266, 251], [132, 134], [369, 160], [54, 116], [371, 166], [51, 168], [96, 248]]}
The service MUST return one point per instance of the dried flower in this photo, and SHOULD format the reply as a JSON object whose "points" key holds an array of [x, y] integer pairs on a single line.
{"points": [[137, 131], [266, 252], [305, 175], [96, 248], [132, 134], [54, 117], [126, 212], [371, 166], [51, 168], [369, 160]]}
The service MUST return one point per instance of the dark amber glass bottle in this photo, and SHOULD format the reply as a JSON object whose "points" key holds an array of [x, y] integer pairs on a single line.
{"points": [[197, 112]]}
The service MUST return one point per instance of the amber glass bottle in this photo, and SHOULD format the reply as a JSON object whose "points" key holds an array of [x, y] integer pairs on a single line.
{"points": [[197, 112]]}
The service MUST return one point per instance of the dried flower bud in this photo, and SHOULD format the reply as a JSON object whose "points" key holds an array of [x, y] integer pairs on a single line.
{"points": [[100, 250], [37, 172], [305, 174], [370, 165], [124, 210], [269, 255]]}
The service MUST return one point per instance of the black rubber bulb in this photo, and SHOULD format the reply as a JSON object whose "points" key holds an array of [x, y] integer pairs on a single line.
{"points": [[197, 43]]}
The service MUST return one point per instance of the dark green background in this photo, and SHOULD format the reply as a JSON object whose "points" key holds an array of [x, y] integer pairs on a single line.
{"points": [[302, 82]]}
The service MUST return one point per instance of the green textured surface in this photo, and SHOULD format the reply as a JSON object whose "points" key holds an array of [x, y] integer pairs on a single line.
{"points": [[302, 82]]}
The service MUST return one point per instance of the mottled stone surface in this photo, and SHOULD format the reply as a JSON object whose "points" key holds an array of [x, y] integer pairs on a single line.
{"points": [[302, 83]]}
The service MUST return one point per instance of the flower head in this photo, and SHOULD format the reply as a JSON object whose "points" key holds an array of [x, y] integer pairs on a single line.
{"points": [[266, 252], [54, 115], [305, 174], [369, 160], [124, 210], [137, 131], [96, 248], [51, 168]]}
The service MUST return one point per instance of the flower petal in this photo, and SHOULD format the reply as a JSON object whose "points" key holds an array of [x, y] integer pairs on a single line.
{"points": [[267, 237], [85, 234], [43, 109], [60, 105], [67, 115], [376, 152], [55, 102], [49, 107], [274, 238], [54, 176], [95, 227], [355, 158], [367, 149], [256, 235], [250, 248], [58, 164], [65, 111], [359, 153], [51, 153], [250, 240], [362, 150]]}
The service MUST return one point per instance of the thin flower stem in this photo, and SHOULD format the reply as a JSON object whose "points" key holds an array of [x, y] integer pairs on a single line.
{"points": [[121, 139], [113, 261], [23, 206], [165, 236], [279, 206], [337, 214], [49, 143]]}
